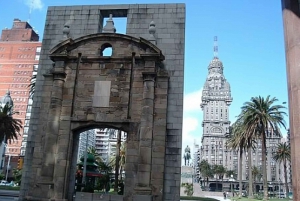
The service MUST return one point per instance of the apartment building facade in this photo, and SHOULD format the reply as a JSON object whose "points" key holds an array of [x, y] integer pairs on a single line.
{"points": [[19, 56]]}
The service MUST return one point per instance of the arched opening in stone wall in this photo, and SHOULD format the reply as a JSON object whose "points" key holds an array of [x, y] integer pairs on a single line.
{"points": [[106, 50], [98, 161]]}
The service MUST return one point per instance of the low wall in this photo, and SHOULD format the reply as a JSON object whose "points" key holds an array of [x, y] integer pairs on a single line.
{"points": [[82, 196]]}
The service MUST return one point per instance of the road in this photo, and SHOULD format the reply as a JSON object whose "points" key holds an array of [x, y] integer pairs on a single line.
{"points": [[8, 198], [6, 195]]}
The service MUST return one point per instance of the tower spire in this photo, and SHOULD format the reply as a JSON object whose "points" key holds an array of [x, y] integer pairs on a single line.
{"points": [[215, 47]]}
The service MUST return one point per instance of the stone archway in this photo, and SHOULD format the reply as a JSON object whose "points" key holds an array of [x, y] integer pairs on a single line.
{"points": [[128, 91], [77, 129]]}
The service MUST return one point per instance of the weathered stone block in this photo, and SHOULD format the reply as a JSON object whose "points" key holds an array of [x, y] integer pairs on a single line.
{"points": [[124, 105]]}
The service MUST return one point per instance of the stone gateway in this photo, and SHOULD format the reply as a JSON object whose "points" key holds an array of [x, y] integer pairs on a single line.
{"points": [[138, 89]]}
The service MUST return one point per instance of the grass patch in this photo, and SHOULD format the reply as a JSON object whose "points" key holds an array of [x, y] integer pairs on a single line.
{"points": [[196, 198], [247, 199], [11, 188]]}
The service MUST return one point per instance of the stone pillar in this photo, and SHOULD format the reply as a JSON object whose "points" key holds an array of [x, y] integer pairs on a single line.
{"points": [[292, 47], [146, 135], [53, 122]]}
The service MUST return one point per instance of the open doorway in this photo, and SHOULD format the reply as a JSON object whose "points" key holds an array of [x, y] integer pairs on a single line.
{"points": [[99, 157]]}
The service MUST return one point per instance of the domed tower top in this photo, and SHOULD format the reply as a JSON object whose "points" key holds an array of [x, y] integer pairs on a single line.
{"points": [[215, 65], [6, 99]]}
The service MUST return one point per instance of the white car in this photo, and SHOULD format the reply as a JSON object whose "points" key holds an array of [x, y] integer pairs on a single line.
{"points": [[3, 183]]}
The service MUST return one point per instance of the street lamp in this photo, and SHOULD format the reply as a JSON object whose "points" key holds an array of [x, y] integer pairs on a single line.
{"points": [[8, 163]]}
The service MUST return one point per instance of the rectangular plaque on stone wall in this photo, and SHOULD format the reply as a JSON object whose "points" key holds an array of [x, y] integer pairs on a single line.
{"points": [[101, 94]]}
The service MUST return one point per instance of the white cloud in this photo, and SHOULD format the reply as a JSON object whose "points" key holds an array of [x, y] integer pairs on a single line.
{"points": [[190, 125], [192, 101], [191, 122], [34, 4]]}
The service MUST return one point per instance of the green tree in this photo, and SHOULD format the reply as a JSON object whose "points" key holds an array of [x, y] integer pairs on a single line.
{"points": [[32, 85], [122, 160], [189, 189], [103, 181], [205, 170], [231, 172], [238, 142], [17, 174], [93, 151], [248, 138], [255, 173], [220, 171], [10, 128], [283, 155], [260, 115]]}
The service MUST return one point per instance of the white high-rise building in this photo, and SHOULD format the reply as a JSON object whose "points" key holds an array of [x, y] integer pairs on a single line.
{"points": [[88, 137], [106, 141], [216, 101]]}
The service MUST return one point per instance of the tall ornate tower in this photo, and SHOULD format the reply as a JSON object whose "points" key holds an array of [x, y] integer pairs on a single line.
{"points": [[216, 99]]}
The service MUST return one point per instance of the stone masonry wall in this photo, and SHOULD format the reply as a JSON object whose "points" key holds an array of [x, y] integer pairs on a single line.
{"points": [[170, 38], [170, 29]]}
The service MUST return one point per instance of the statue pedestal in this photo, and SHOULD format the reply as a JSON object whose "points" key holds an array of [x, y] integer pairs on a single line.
{"points": [[187, 173]]}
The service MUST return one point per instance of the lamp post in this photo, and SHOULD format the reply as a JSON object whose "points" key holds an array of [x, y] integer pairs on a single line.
{"points": [[85, 160], [8, 163]]}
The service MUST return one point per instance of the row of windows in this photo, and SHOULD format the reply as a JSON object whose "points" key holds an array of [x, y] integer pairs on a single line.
{"points": [[21, 79], [25, 56], [24, 65], [38, 49], [20, 107], [22, 73], [18, 92], [19, 99], [22, 114], [11, 150], [19, 86]]}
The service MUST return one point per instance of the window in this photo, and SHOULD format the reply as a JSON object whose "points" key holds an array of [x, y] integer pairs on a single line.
{"points": [[37, 57], [35, 67], [38, 49]]}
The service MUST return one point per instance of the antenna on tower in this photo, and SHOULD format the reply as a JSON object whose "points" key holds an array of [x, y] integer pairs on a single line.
{"points": [[30, 9], [215, 47]]}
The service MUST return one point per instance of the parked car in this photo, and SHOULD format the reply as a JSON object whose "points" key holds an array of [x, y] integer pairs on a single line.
{"points": [[3, 183], [11, 184]]}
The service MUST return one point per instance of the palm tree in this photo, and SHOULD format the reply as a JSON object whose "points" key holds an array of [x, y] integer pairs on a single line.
{"points": [[249, 138], [10, 128], [229, 173], [260, 115], [220, 171], [255, 173], [205, 170], [238, 142], [122, 158], [32, 85], [117, 166], [282, 155], [93, 151]]}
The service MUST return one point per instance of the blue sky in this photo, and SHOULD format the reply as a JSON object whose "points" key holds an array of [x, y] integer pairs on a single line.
{"points": [[250, 38]]}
